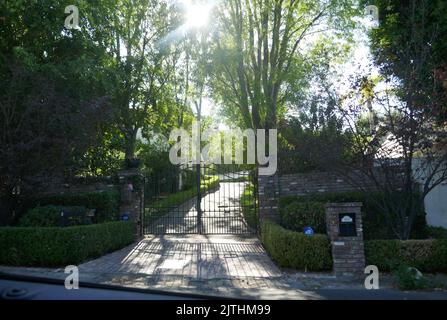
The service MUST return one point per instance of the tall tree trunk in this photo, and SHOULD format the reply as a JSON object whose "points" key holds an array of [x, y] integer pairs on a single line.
{"points": [[131, 140]]}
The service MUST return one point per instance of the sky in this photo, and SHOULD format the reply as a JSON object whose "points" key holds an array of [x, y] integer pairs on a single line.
{"points": [[209, 108]]}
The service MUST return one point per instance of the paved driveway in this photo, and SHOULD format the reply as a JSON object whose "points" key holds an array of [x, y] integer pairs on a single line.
{"points": [[195, 257], [200, 264], [208, 264]]}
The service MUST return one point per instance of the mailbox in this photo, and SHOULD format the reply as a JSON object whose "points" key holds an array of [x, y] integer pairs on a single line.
{"points": [[347, 226]]}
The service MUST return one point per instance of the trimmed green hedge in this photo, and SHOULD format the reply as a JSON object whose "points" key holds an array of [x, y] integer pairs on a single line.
{"points": [[50, 216], [293, 214], [56, 247], [298, 215], [295, 250], [425, 255], [106, 203]]}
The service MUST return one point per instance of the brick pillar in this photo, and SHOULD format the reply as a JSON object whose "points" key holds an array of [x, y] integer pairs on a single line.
{"points": [[268, 198], [344, 227], [132, 198]]}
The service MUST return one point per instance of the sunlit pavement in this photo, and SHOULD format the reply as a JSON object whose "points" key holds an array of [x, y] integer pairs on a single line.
{"points": [[222, 266], [264, 289]]}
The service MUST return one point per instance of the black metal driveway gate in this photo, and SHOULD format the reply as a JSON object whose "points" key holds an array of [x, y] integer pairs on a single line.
{"points": [[174, 203]]}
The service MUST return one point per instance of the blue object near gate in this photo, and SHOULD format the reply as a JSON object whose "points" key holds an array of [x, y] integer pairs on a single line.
{"points": [[308, 231], [125, 217]]}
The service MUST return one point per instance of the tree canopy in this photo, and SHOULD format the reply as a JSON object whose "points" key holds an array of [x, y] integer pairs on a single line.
{"points": [[84, 101]]}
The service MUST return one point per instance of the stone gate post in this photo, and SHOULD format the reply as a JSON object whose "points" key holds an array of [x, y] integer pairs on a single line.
{"points": [[268, 191], [131, 184], [344, 227]]}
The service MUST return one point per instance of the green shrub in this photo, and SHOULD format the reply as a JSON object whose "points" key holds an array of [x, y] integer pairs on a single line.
{"points": [[409, 278], [425, 255], [249, 209], [295, 250], [50, 216], [382, 253], [106, 203], [209, 183], [374, 221], [437, 232], [57, 247], [298, 215], [47, 216]]}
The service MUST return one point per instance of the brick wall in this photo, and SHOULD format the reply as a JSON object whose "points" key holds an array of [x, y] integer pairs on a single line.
{"points": [[321, 182], [271, 188], [268, 197]]}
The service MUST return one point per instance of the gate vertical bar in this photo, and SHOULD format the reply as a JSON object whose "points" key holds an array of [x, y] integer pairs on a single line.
{"points": [[199, 200], [143, 209]]}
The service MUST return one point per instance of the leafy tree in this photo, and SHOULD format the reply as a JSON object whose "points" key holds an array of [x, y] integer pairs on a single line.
{"points": [[313, 128], [401, 153], [256, 46], [141, 64], [410, 45], [410, 49], [53, 101]]}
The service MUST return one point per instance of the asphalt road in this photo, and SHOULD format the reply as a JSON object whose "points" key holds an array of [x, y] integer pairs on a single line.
{"points": [[348, 294]]}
